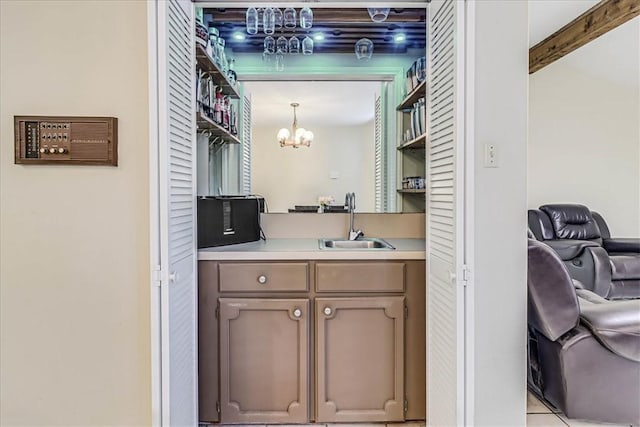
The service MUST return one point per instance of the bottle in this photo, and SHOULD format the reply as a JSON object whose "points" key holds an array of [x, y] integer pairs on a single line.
{"points": [[225, 113], [233, 77], [218, 106]]}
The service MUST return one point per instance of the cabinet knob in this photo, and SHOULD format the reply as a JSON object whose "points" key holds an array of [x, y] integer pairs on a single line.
{"points": [[297, 313], [262, 279], [328, 311]]}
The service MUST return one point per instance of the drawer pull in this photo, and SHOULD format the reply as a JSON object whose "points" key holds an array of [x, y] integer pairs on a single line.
{"points": [[328, 311], [262, 279], [297, 313]]}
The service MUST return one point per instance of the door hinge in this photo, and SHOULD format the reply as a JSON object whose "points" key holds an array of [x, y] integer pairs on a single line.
{"points": [[406, 405], [156, 276], [465, 274], [218, 406], [406, 312], [217, 312]]}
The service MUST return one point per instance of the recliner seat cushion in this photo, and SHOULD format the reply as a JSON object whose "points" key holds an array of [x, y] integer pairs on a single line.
{"points": [[625, 267], [572, 221], [616, 325]]}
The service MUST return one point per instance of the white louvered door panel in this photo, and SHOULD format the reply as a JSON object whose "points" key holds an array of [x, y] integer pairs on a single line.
{"points": [[176, 134], [445, 210], [246, 145], [379, 161]]}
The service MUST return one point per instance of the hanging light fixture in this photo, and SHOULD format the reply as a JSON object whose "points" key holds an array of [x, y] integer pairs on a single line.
{"points": [[297, 136]]}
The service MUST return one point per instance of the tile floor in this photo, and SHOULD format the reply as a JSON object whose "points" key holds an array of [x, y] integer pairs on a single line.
{"points": [[541, 414]]}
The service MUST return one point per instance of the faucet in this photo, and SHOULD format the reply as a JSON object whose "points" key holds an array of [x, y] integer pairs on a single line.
{"points": [[350, 203]]}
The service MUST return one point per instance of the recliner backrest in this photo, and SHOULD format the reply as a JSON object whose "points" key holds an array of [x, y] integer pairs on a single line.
{"points": [[602, 225], [553, 304], [540, 225], [572, 222]]}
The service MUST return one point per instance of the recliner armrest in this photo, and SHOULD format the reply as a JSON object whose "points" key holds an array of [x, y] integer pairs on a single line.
{"points": [[616, 325], [568, 249], [621, 245]]}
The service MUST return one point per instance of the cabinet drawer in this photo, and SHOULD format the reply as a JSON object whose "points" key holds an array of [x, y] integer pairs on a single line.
{"points": [[359, 276], [264, 277]]}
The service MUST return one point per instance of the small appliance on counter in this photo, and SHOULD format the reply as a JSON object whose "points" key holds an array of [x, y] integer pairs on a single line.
{"points": [[227, 220]]}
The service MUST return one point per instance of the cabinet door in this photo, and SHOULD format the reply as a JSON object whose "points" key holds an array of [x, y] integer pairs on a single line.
{"points": [[263, 360], [360, 359]]}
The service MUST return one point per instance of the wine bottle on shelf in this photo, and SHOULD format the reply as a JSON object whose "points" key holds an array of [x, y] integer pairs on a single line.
{"points": [[218, 106]]}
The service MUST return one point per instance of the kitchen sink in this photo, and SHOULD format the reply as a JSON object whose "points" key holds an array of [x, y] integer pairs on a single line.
{"points": [[359, 244]]}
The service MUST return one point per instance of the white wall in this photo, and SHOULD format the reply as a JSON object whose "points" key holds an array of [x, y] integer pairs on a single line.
{"points": [[584, 143], [297, 176], [499, 254], [74, 240]]}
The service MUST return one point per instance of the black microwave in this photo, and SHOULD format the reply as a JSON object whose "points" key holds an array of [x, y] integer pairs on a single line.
{"points": [[227, 220]]}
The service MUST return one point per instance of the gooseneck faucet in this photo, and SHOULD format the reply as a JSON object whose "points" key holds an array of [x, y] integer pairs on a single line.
{"points": [[350, 203]]}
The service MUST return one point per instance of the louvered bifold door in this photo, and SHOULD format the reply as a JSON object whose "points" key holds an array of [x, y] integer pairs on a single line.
{"points": [[445, 220], [176, 135], [246, 145], [379, 161]]}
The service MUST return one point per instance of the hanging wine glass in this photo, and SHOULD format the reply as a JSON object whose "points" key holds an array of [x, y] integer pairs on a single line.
{"points": [[278, 18], [281, 45], [294, 45], [279, 61], [289, 17], [307, 46], [267, 60], [269, 44], [364, 49], [252, 20], [306, 18], [378, 14], [269, 21]]}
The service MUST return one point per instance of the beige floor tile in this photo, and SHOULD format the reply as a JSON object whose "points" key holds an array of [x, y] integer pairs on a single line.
{"points": [[544, 420], [535, 406], [407, 424], [578, 423]]}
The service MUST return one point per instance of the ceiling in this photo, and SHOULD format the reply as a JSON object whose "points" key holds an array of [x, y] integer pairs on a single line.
{"points": [[614, 56], [321, 102], [341, 28]]}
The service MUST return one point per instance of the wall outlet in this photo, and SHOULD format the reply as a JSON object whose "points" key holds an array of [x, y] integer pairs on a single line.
{"points": [[490, 156]]}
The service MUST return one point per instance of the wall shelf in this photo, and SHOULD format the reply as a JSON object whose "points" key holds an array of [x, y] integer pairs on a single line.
{"points": [[414, 144], [417, 93], [206, 63], [205, 123], [412, 190]]}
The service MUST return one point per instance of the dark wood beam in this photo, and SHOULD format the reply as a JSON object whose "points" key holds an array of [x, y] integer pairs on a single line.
{"points": [[603, 17]]}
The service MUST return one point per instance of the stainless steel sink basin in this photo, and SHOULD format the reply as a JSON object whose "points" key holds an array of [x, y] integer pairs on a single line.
{"points": [[361, 243]]}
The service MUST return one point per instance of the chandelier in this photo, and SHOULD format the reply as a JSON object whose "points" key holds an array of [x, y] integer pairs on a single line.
{"points": [[297, 136]]}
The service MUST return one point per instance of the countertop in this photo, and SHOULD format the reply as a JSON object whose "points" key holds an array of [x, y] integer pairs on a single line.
{"points": [[308, 249]]}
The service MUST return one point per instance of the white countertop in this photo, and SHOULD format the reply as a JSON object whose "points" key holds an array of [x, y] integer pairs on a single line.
{"points": [[308, 249]]}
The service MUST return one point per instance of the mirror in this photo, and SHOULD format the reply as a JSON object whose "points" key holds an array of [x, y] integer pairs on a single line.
{"points": [[337, 94], [341, 157]]}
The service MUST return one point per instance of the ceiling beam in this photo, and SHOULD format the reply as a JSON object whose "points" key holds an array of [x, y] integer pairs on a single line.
{"points": [[603, 17]]}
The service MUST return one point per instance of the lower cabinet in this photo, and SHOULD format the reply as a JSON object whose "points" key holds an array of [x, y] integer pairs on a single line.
{"points": [[290, 342], [264, 360], [359, 359]]}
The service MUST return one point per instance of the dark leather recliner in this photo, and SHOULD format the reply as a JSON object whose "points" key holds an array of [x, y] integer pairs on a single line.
{"points": [[608, 266], [584, 350]]}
